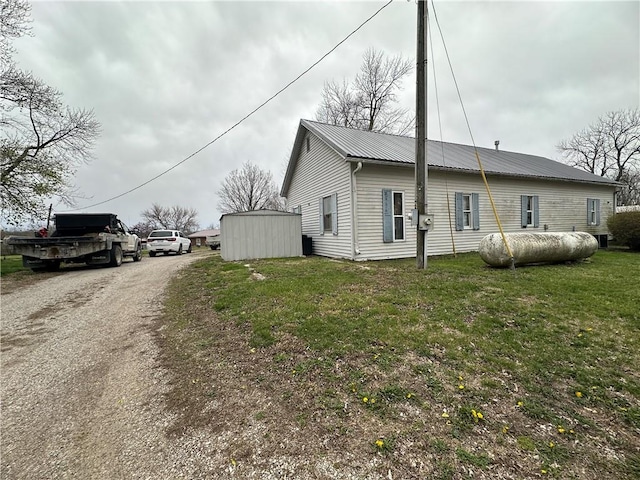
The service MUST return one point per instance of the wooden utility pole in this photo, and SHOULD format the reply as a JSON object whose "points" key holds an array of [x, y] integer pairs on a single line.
{"points": [[421, 135]]}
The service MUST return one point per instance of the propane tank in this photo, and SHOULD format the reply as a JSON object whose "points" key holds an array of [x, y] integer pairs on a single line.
{"points": [[544, 247]]}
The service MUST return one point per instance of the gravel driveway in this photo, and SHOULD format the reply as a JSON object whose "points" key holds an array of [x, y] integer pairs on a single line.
{"points": [[81, 389]]}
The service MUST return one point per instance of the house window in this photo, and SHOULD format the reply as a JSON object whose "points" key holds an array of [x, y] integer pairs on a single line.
{"points": [[467, 221], [529, 214], [329, 214], [467, 211], [398, 216], [392, 216], [593, 211], [297, 209]]}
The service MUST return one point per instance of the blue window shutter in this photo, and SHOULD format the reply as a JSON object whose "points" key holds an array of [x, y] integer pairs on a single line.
{"points": [[475, 205], [523, 210], [334, 216], [597, 205], [321, 217], [459, 221], [387, 216], [536, 212]]}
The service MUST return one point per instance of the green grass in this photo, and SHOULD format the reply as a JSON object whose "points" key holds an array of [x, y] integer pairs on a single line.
{"points": [[11, 264], [458, 338]]}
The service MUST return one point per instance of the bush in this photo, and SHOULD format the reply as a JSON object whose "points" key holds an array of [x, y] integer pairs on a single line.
{"points": [[625, 228]]}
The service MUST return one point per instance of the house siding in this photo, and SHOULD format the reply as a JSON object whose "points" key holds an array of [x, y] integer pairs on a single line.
{"points": [[562, 207], [321, 172]]}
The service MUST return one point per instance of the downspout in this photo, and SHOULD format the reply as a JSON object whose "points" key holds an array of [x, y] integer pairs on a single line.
{"points": [[354, 213]]}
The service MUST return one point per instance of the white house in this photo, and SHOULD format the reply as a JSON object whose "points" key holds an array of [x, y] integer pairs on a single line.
{"points": [[354, 190]]}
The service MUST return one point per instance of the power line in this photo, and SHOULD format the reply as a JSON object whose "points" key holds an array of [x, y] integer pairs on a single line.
{"points": [[259, 107]]}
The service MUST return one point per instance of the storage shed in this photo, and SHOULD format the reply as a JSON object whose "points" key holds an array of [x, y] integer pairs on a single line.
{"points": [[260, 234]]}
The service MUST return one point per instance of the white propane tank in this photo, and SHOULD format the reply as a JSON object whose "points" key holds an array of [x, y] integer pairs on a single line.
{"points": [[544, 247]]}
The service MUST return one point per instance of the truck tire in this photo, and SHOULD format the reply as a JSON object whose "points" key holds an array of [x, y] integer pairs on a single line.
{"points": [[138, 255], [189, 249], [52, 266], [116, 256], [152, 253], [179, 252]]}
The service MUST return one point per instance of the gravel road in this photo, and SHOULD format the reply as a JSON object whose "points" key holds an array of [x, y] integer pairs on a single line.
{"points": [[81, 388]]}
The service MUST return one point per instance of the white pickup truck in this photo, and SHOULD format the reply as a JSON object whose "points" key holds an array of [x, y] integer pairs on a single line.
{"points": [[91, 238]]}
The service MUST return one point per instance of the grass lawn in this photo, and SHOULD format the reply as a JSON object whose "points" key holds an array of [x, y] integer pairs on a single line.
{"points": [[11, 264], [380, 370]]}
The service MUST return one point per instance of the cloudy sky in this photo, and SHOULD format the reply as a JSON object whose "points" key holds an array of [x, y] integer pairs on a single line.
{"points": [[166, 78]]}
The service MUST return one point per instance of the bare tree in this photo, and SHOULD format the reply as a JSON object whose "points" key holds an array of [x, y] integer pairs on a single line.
{"points": [[42, 142], [610, 148], [14, 23], [143, 229], [170, 218], [249, 188], [371, 101]]}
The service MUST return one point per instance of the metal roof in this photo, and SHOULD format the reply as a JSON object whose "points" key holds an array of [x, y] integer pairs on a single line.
{"points": [[365, 146]]}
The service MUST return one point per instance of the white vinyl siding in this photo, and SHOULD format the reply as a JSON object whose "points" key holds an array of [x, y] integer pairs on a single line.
{"points": [[321, 172], [560, 204]]}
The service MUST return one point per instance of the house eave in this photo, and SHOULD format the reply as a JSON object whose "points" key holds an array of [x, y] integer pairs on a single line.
{"points": [[395, 163]]}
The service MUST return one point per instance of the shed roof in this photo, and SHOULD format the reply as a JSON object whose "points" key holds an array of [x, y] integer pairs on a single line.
{"points": [[263, 212], [372, 147]]}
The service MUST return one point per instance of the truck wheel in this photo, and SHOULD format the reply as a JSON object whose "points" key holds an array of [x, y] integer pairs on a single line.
{"points": [[179, 252], [116, 256], [189, 249], [53, 266], [138, 256], [152, 253]]}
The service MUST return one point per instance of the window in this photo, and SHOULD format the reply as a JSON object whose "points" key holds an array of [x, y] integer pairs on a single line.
{"points": [[308, 142], [392, 216], [467, 211], [467, 222], [529, 214], [398, 216], [329, 214], [593, 211]]}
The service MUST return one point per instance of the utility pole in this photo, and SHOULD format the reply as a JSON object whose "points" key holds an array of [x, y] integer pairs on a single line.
{"points": [[421, 136]]}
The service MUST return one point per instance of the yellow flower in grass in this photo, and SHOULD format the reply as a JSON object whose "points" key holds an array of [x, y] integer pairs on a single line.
{"points": [[477, 416], [551, 444], [461, 387], [579, 394], [373, 400], [520, 404], [561, 429], [409, 395], [505, 429], [380, 443], [445, 415], [365, 399]]}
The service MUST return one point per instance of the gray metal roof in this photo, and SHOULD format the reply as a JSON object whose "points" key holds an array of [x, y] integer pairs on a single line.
{"points": [[360, 145]]}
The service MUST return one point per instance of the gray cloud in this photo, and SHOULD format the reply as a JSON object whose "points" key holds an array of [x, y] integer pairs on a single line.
{"points": [[165, 78]]}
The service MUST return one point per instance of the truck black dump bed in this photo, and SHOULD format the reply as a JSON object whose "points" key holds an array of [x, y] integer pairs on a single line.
{"points": [[75, 224]]}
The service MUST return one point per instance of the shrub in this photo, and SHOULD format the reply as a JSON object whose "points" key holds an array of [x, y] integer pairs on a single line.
{"points": [[625, 227]]}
